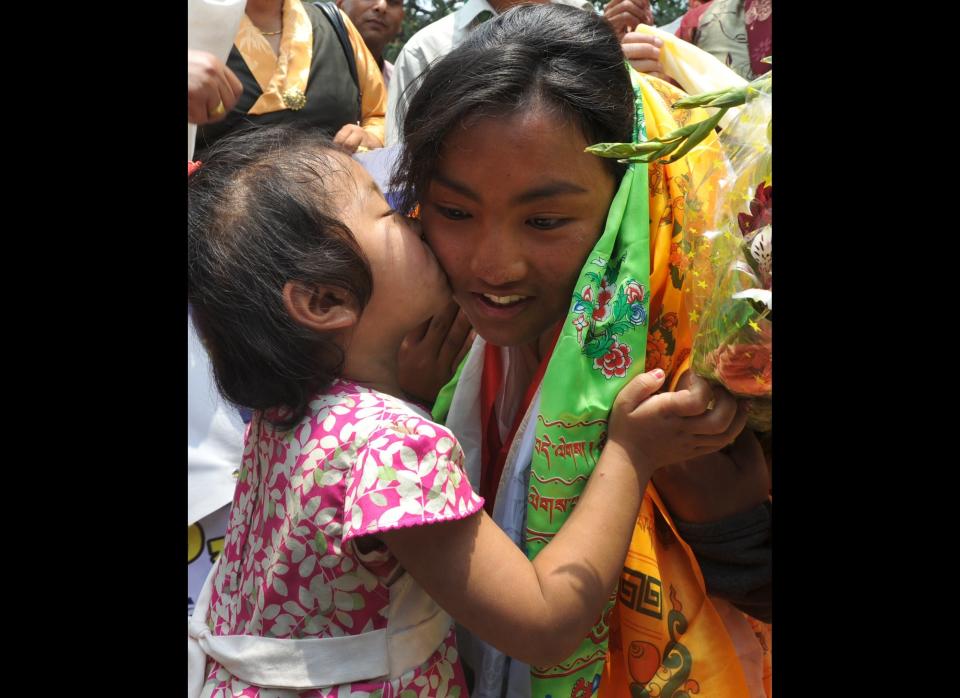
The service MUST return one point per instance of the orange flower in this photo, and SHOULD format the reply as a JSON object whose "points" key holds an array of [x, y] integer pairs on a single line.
{"points": [[679, 205], [656, 178], [656, 352], [677, 257], [657, 341], [669, 320]]}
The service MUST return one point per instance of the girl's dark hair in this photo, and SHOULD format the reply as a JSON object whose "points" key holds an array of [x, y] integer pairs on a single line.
{"points": [[260, 216], [557, 56]]}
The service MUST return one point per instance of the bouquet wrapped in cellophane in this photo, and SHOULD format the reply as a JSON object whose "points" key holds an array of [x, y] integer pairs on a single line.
{"points": [[727, 240], [730, 277]]}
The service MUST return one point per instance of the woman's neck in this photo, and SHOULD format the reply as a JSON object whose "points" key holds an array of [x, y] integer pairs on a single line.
{"points": [[533, 353], [267, 15]]}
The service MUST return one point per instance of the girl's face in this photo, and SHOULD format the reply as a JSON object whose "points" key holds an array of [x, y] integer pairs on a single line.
{"points": [[408, 284], [512, 211]]}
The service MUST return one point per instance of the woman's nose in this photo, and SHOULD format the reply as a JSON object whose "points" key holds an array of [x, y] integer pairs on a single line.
{"points": [[498, 259]]}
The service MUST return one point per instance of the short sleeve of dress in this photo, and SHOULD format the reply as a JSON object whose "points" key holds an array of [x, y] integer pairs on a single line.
{"points": [[409, 473]]}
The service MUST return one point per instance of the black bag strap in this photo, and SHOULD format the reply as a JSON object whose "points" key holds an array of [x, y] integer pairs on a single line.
{"points": [[332, 14]]}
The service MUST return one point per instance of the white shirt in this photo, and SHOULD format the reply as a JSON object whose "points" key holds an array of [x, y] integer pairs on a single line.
{"points": [[214, 437], [214, 451], [387, 72], [431, 43], [672, 27]]}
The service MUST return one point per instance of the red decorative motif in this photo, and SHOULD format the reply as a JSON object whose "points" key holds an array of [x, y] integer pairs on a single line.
{"points": [[602, 311], [581, 689], [615, 362], [643, 661]]}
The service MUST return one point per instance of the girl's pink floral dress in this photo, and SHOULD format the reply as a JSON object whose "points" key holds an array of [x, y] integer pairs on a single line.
{"points": [[360, 462]]}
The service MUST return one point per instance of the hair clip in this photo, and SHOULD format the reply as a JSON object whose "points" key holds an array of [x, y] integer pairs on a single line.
{"points": [[193, 166]]}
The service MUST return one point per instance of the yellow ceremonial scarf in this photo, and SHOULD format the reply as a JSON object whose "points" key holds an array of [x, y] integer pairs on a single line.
{"points": [[282, 78], [666, 636]]}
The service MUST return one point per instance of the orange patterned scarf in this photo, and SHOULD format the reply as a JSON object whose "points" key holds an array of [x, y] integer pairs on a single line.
{"points": [[668, 639]]}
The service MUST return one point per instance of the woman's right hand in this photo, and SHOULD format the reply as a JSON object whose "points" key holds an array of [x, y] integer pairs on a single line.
{"points": [[672, 427]]}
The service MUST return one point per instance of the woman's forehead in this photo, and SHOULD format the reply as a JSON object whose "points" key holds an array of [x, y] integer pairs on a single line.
{"points": [[519, 151]]}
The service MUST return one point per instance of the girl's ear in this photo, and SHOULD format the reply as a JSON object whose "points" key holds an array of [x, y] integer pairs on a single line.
{"points": [[320, 308]]}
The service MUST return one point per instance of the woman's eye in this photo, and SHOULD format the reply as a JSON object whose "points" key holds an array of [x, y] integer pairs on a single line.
{"points": [[453, 214], [546, 223]]}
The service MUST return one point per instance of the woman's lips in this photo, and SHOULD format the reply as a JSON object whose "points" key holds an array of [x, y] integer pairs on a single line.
{"points": [[501, 306]]}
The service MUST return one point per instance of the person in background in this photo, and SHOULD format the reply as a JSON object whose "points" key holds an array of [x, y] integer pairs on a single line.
{"points": [[214, 451], [640, 50], [212, 88], [435, 41], [379, 22], [690, 21], [737, 32], [293, 67], [624, 15]]}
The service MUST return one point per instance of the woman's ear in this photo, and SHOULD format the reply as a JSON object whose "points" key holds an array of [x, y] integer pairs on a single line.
{"points": [[319, 307]]}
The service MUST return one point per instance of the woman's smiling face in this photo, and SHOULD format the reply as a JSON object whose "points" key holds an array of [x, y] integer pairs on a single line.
{"points": [[511, 212]]}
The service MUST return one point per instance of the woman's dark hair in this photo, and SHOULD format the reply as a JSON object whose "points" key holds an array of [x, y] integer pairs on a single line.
{"points": [[551, 55], [259, 216]]}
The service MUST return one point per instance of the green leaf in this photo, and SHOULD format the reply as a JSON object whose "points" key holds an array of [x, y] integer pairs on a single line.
{"points": [[613, 270], [598, 347], [676, 278], [387, 474], [620, 306], [588, 305], [320, 543], [704, 128], [329, 477], [619, 327], [593, 276], [622, 150], [293, 608], [727, 97], [669, 339]]}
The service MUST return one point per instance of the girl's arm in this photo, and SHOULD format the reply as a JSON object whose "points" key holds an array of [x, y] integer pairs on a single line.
{"points": [[539, 611]]}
